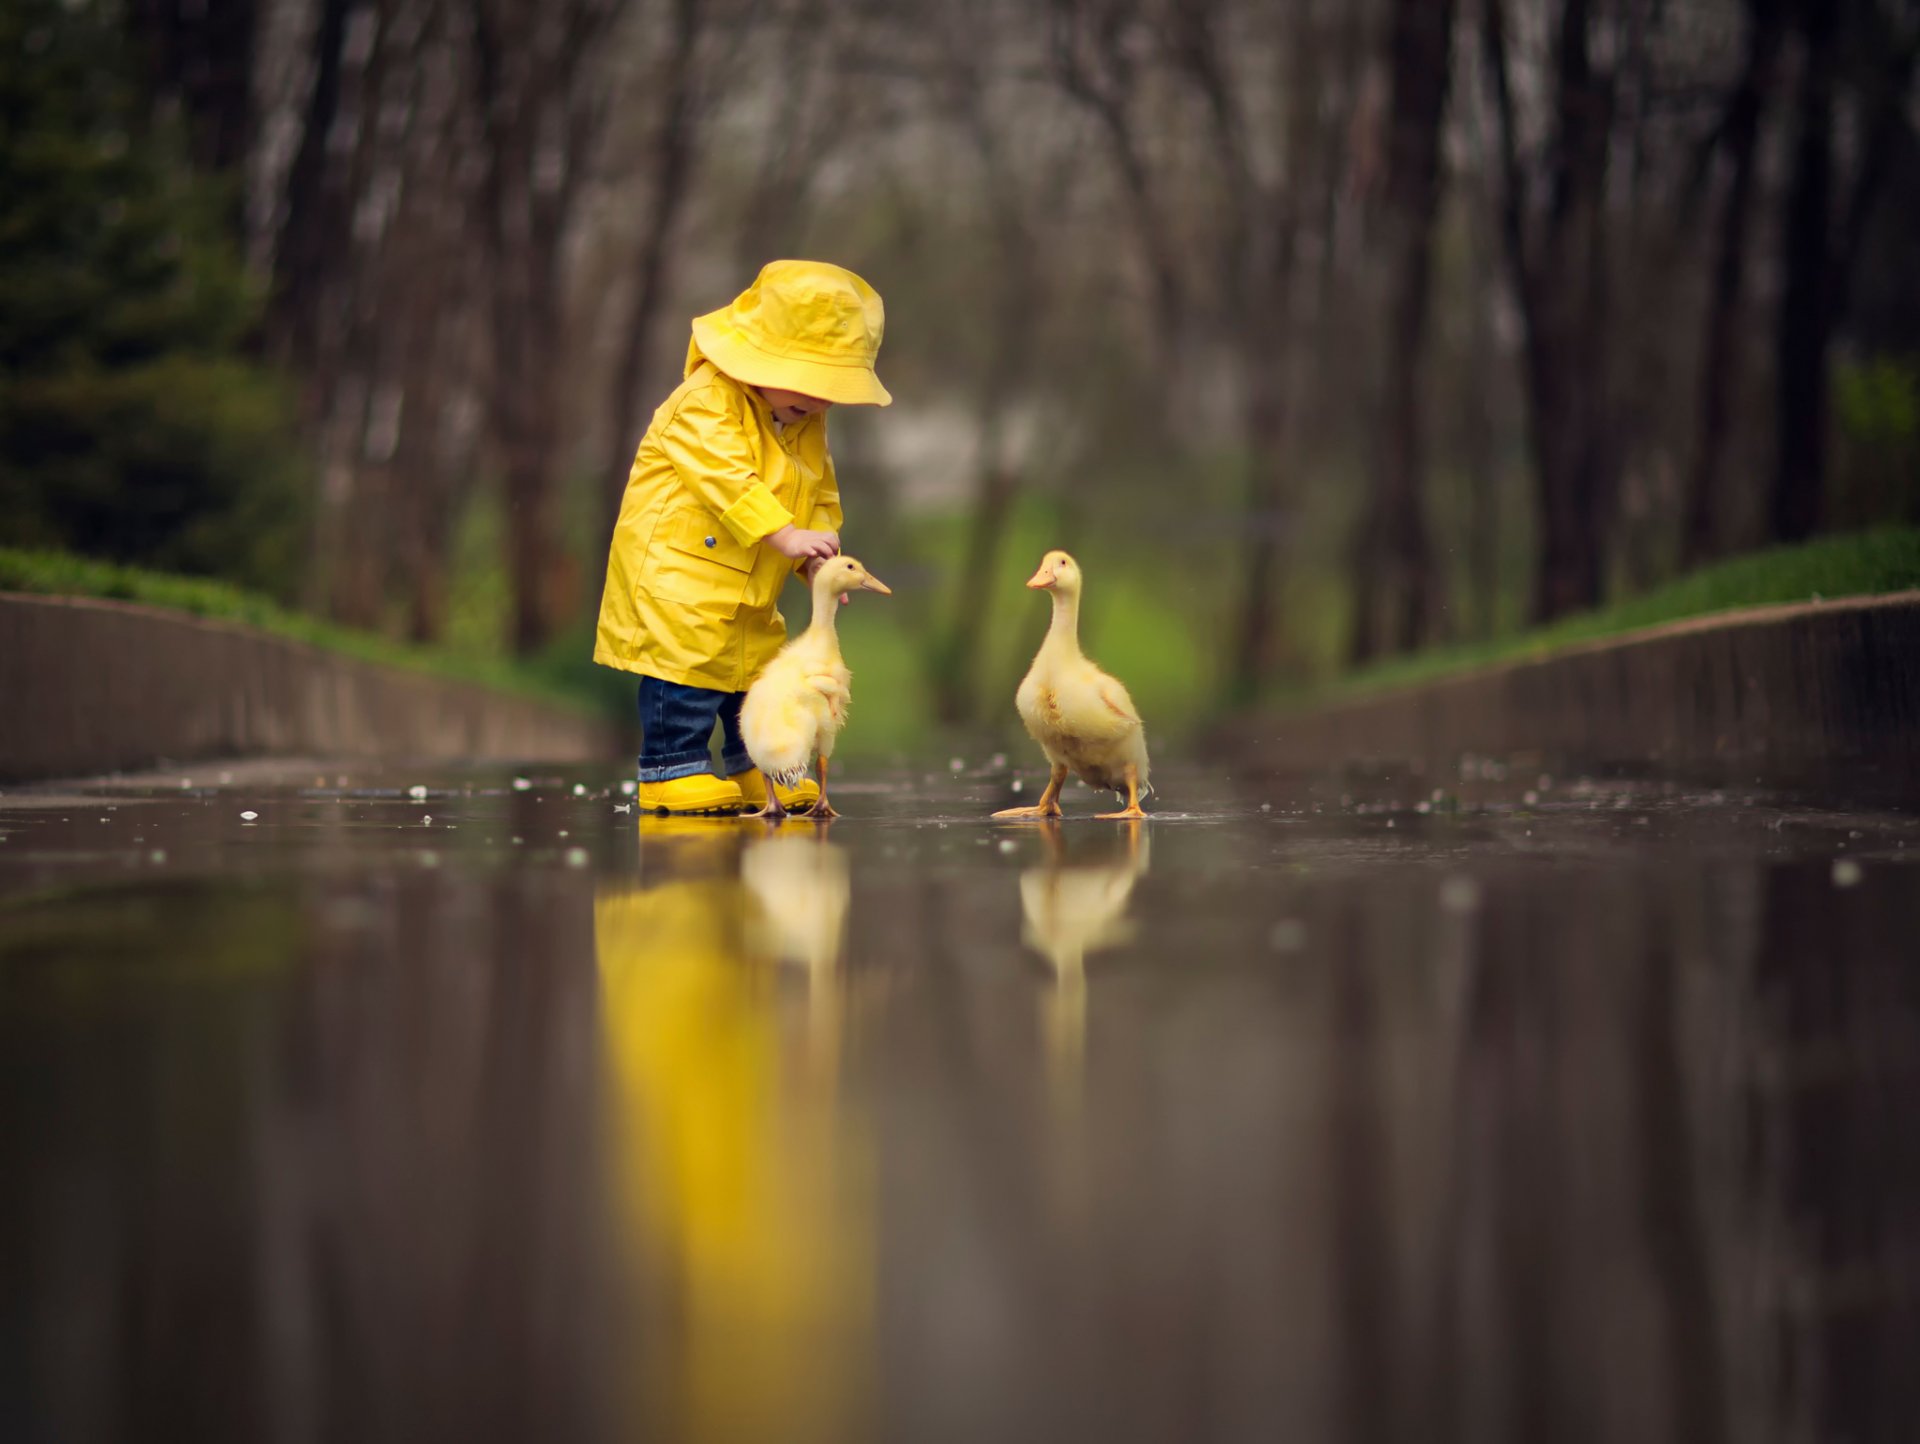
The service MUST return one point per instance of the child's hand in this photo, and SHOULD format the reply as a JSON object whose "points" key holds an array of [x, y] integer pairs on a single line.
{"points": [[794, 543]]}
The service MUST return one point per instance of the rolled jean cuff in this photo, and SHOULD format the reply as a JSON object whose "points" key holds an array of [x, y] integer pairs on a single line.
{"points": [[734, 763], [676, 764]]}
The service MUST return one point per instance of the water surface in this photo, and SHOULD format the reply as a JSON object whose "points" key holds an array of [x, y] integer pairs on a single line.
{"points": [[1538, 1109]]}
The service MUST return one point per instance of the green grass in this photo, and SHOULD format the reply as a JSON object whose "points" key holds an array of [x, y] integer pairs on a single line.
{"points": [[1859, 564], [51, 573]]}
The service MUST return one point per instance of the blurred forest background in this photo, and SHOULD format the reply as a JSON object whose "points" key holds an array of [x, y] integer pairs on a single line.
{"points": [[1323, 330]]}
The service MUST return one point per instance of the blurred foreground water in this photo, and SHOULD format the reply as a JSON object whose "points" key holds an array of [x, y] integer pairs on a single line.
{"points": [[1564, 1111]]}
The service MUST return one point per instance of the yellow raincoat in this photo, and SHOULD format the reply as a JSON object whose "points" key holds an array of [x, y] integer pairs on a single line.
{"points": [[692, 589]]}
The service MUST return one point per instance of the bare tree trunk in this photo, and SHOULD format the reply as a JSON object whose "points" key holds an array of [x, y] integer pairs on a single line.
{"points": [[1559, 279], [1257, 633], [1480, 447], [526, 402], [542, 110], [1093, 64], [804, 131], [1395, 589], [429, 304], [1806, 305], [1260, 333], [359, 524], [957, 657], [1699, 538], [953, 682], [671, 167], [1820, 255], [314, 230]]}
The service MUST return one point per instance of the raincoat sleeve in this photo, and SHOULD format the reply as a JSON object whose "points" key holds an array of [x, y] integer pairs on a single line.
{"points": [[708, 448]]}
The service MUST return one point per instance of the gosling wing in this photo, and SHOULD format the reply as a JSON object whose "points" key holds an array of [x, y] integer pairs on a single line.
{"points": [[1097, 708]]}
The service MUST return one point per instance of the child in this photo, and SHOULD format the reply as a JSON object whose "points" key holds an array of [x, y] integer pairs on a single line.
{"points": [[732, 489]]}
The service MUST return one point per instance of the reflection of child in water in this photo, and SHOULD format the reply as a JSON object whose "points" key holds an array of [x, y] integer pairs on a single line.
{"points": [[732, 490], [738, 1193]]}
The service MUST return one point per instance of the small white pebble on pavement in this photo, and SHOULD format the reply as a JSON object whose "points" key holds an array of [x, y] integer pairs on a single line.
{"points": [[1007, 845], [427, 821], [1018, 785], [563, 834], [579, 789], [416, 792], [623, 807], [1846, 872], [248, 816], [629, 787], [520, 784], [1266, 807]]}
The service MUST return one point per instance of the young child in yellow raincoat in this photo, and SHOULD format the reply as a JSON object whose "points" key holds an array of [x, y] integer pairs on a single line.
{"points": [[731, 491]]}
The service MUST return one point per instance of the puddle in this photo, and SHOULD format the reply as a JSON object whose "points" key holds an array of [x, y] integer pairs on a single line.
{"points": [[1288, 1113]]}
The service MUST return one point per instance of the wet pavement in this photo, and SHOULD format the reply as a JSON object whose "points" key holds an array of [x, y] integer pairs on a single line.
{"points": [[1536, 1109]]}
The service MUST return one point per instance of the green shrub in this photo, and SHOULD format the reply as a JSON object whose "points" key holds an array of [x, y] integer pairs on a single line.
{"points": [[132, 423]]}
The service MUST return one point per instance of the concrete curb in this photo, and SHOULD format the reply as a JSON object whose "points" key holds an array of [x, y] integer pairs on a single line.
{"points": [[1777, 692], [90, 686]]}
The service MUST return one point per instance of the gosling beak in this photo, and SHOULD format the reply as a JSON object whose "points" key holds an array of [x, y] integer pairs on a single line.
{"points": [[874, 584], [1041, 580]]}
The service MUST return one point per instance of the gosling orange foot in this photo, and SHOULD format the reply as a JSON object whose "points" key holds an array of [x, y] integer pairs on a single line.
{"points": [[1132, 810], [823, 811], [1037, 812]]}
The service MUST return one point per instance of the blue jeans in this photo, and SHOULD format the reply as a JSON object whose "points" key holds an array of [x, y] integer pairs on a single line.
{"points": [[676, 725]]}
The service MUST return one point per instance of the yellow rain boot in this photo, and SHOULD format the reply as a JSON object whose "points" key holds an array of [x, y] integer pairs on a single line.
{"points": [[798, 798], [702, 792]]}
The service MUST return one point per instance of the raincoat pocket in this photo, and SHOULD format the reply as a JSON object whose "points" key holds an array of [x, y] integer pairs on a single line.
{"points": [[697, 560]]}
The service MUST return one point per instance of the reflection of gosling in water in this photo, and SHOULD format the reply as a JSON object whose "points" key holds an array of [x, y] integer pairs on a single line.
{"points": [[802, 887], [1072, 911]]}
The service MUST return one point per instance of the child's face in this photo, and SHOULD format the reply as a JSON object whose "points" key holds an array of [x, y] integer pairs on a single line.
{"points": [[791, 406]]}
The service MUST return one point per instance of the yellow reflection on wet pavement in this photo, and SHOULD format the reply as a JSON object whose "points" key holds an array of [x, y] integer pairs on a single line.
{"points": [[744, 1190], [1072, 910]]}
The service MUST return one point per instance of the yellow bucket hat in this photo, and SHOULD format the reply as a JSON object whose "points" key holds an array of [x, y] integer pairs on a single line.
{"points": [[803, 326]]}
